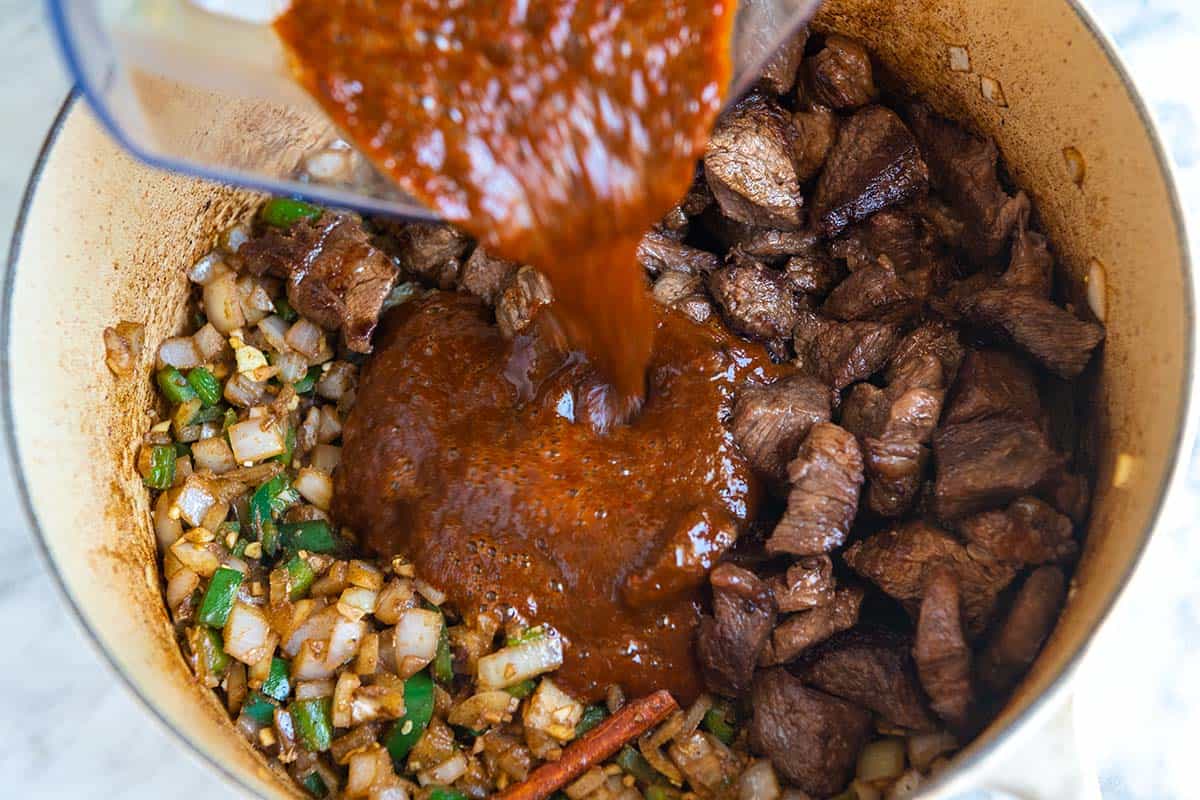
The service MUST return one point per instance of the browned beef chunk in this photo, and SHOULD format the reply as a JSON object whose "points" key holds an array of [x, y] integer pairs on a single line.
{"points": [[1031, 267], [864, 410], [750, 168], [936, 338], [275, 252], [526, 291], [962, 168], [674, 225], [755, 299], [825, 478], [993, 384], [801, 631], [875, 163], [770, 422], [812, 738], [485, 275], [984, 464], [841, 353], [890, 234], [658, 253], [900, 561], [772, 246], [1069, 493], [875, 293], [807, 584], [839, 75], [1019, 639], [673, 287], [813, 273], [431, 250], [941, 220], [696, 306], [1027, 532], [779, 74], [816, 131], [699, 197], [335, 276], [728, 643], [1055, 338], [874, 669], [941, 651]]}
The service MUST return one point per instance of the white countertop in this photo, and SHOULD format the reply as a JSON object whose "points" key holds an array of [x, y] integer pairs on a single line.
{"points": [[70, 729]]}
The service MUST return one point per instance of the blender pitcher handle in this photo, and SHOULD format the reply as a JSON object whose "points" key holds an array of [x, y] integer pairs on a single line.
{"points": [[1048, 763]]}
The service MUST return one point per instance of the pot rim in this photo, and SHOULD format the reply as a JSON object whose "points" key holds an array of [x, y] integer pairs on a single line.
{"points": [[972, 757]]}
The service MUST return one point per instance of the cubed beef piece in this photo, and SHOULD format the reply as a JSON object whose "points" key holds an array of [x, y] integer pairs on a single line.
{"points": [[773, 246], [802, 630], [1020, 637], [1052, 336], [277, 252], [864, 410], [875, 163], [527, 290], [807, 584], [941, 651], [812, 738], [1030, 267], [890, 234], [696, 306], [769, 422], [813, 273], [484, 275], [779, 74], [941, 220], [430, 250], [816, 131], [750, 168], [900, 561], [674, 225], [993, 384], [962, 167], [825, 478], [699, 197], [985, 464], [839, 74], [340, 280], [935, 338], [872, 668], [684, 293], [755, 299], [728, 643], [1029, 531], [841, 353], [658, 253], [871, 293], [1068, 492]]}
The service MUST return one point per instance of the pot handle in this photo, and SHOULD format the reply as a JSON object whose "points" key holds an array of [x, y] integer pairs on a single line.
{"points": [[1048, 763]]}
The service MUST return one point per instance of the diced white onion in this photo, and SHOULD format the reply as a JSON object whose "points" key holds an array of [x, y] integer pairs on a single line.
{"points": [[317, 627], [307, 690], [315, 486], [326, 458], [242, 390], [250, 360], [511, 665], [343, 695], [310, 663], [337, 380], [256, 301], [203, 270], [758, 782], [356, 602], [194, 500], [274, 330], [180, 587], [343, 644], [881, 760], [209, 342], [247, 633], [416, 640], [364, 766], [306, 338], [179, 352], [553, 711], [445, 773], [923, 748], [330, 427], [214, 455], [434, 596], [199, 558], [222, 305], [483, 710], [167, 528], [292, 366], [251, 441]]}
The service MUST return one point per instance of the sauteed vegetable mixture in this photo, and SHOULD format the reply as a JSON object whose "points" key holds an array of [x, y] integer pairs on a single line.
{"points": [[892, 376]]}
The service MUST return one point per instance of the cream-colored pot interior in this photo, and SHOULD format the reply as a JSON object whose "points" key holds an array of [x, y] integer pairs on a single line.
{"points": [[107, 239]]}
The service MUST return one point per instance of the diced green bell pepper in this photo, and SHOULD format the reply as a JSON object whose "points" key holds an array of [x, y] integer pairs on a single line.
{"points": [[720, 722], [207, 387], [662, 793], [443, 663], [418, 710], [162, 467], [525, 636], [314, 784], [270, 500], [212, 651], [633, 763], [522, 689], [300, 577], [592, 716], [278, 683], [174, 386], [284, 310], [259, 708], [284, 212], [308, 382], [289, 447], [445, 793], [218, 598], [315, 536], [314, 726]]}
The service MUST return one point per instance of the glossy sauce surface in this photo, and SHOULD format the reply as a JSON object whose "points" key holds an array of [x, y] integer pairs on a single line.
{"points": [[479, 459], [554, 131]]}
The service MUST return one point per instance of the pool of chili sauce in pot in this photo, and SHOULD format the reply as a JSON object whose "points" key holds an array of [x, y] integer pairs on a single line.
{"points": [[557, 133]]}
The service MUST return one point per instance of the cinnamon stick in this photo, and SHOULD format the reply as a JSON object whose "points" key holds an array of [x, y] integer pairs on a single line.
{"points": [[598, 744]]}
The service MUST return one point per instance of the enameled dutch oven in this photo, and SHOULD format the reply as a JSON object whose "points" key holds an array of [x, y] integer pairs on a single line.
{"points": [[103, 238]]}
